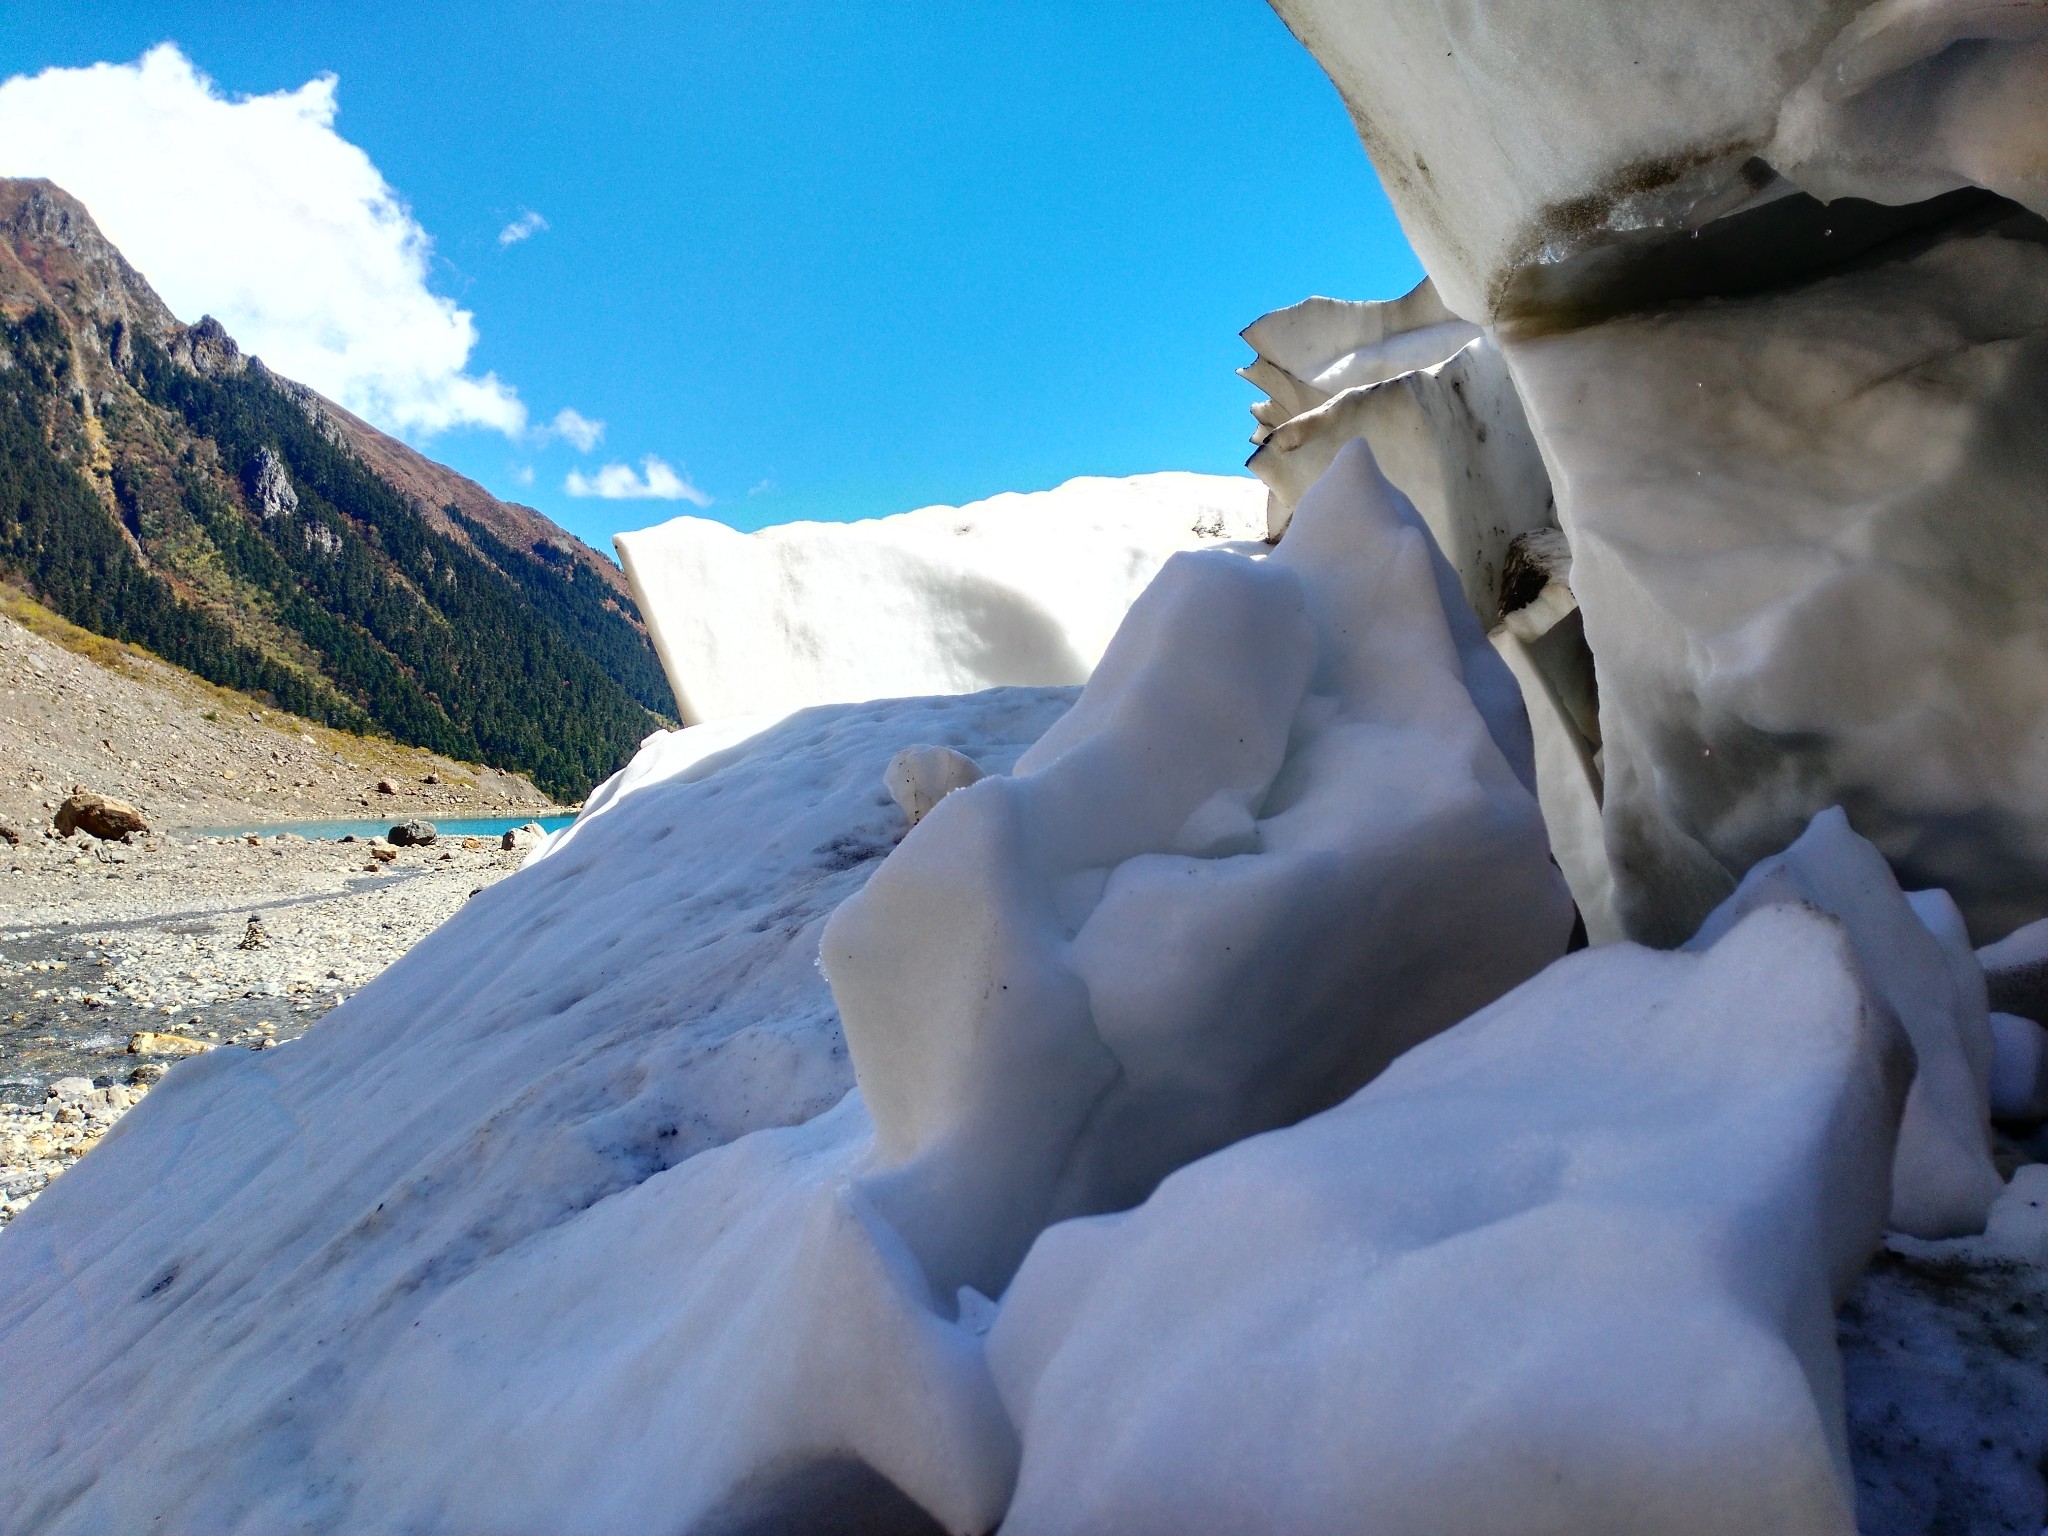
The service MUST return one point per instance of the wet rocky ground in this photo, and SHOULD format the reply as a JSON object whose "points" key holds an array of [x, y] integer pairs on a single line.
{"points": [[214, 942]]}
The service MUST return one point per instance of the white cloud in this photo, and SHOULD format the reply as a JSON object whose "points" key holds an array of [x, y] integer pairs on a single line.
{"points": [[764, 487], [523, 474], [574, 427], [655, 481], [525, 227], [256, 211]]}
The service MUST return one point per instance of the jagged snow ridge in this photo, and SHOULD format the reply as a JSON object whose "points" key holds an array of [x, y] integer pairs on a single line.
{"points": [[1916, 953], [1016, 589], [1285, 834], [1570, 1266]]}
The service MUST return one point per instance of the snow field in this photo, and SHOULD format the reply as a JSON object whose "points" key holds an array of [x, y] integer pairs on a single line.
{"points": [[1215, 1141], [1016, 589]]}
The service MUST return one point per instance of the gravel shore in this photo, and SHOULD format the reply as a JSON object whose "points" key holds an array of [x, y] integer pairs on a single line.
{"points": [[104, 942], [223, 942]]}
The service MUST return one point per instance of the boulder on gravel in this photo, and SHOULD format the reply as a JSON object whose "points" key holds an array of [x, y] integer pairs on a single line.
{"points": [[100, 817], [10, 835], [411, 834], [386, 787]]}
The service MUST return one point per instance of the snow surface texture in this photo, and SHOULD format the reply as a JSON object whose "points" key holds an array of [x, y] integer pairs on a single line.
{"points": [[1567, 1267], [1520, 153], [532, 1227], [1945, 1362], [1017, 589], [234, 1315], [1918, 958], [1285, 834]]}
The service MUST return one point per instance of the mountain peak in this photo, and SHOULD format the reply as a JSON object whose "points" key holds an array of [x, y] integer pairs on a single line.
{"points": [[53, 242], [161, 486]]}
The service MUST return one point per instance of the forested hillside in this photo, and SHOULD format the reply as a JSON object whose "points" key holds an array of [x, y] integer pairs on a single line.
{"points": [[159, 487]]}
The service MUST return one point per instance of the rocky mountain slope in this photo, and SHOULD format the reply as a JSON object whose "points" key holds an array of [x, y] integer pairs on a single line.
{"points": [[160, 487], [78, 709]]}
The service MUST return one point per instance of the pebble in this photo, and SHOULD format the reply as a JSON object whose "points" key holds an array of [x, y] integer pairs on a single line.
{"points": [[104, 986]]}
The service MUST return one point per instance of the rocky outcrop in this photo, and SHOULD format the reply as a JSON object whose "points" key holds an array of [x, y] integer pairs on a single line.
{"points": [[270, 486], [50, 246]]}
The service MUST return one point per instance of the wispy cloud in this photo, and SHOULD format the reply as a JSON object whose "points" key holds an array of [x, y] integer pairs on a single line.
{"points": [[764, 488], [255, 210], [523, 474], [525, 227], [655, 480], [573, 427]]}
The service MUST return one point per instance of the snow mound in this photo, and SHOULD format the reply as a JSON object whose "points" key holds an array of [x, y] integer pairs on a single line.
{"points": [[1017, 589], [563, 1180], [234, 1315], [1279, 840], [1917, 955], [1570, 1266]]}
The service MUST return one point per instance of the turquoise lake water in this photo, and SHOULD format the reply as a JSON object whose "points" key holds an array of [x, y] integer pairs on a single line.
{"points": [[489, 826]]}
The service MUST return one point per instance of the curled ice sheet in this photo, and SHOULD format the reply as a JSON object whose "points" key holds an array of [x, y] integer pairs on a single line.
{"points": [[1916, 955], [1541, 159], [1285, 834], [1914, 98], [1432, 396], [1570, 1266]]}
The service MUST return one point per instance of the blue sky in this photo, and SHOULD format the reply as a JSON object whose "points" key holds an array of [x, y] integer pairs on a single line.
{"points": [[820, 260]]}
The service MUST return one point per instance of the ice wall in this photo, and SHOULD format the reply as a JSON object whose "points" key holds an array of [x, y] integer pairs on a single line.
{"points": [[1534, 155], [1017, 589], [1771, 280], [1806, 541]]}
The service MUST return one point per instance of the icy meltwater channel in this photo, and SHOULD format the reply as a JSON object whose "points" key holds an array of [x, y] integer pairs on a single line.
{"points": [[333, 831]]}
